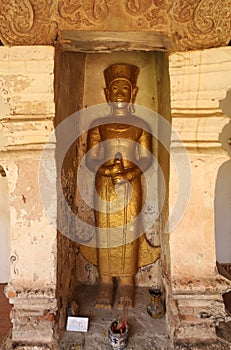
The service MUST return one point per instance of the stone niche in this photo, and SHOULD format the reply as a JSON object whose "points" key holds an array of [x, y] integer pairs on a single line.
{"points": [[79, 84], [46, 266]]}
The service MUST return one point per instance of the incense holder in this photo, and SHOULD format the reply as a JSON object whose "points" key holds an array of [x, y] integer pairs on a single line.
{"points": [[118, 336]]}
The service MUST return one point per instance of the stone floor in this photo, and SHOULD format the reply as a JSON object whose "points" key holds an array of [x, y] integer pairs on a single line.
{"points": [[145, 333]]}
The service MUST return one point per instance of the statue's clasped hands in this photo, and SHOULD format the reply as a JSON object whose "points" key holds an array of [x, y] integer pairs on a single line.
{"points": [[118, 173]]}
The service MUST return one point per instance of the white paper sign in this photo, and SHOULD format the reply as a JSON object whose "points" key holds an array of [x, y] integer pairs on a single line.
{"points": [[77, 324]]}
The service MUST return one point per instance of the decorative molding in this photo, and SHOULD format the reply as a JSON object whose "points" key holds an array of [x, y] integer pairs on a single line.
{"points": [[195, 24], [27, 22], [200, 24], [137, 7], [82, 13], [149, 14]]}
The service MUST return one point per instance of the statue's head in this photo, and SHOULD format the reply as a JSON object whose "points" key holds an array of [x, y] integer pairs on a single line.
{"points": [[121, 83]]}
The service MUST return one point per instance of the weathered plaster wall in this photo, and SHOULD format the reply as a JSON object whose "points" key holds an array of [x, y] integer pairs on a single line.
{"points": [[69, 79], [4, 210], [4, 230], [26, 86], [199, 80], [164, 138]]}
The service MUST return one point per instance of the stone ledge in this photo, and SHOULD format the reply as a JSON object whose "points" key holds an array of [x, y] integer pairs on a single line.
{"points": [[85, 41], [28, 293], [208, 344], [27, 134], [207, 286]]}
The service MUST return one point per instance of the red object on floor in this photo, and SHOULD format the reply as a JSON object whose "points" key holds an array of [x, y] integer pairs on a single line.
{"points": [[5, 307]]}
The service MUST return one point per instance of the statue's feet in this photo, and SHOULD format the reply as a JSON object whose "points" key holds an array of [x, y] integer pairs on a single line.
{"points": [[125, 296], [105, 296]]}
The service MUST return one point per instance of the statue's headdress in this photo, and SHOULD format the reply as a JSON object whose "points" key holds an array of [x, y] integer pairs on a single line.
{"points": [[121, 71]]}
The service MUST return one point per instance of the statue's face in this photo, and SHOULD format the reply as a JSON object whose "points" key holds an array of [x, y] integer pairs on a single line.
{"points": [[120, 91]]}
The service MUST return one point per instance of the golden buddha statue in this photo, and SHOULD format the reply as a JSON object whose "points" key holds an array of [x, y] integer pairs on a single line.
{"points": [[119, 151]]}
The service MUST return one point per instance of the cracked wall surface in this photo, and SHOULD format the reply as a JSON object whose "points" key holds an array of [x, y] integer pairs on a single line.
{"points": [[199, 81]]}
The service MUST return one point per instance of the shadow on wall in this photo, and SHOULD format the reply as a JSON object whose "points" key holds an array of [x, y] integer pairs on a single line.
{"points": [[4, 228], [223, 192], [223, 206]]}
